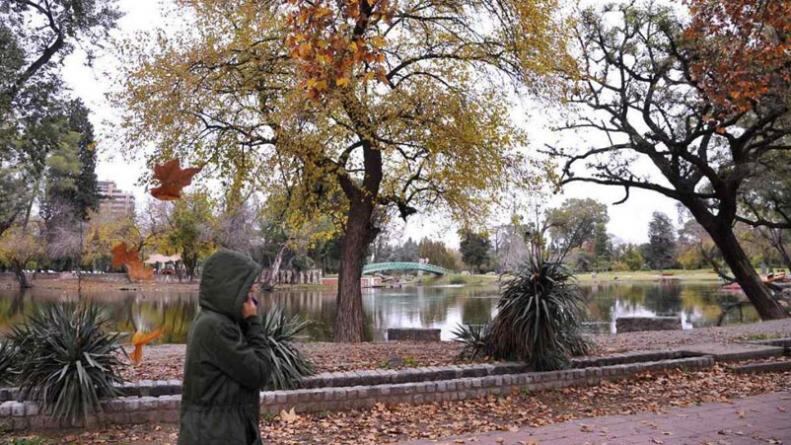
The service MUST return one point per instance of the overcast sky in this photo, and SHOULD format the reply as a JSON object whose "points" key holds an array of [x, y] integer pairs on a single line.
{"points": [[628, 222]]}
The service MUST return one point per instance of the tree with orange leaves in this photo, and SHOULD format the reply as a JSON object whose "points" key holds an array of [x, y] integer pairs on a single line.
{"points": [[740, 50]]}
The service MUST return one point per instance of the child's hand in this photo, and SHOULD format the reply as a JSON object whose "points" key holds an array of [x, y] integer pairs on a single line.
{"points": [[249, 308]]}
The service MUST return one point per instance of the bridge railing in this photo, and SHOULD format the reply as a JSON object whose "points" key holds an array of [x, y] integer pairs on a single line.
{"points": [[402, 265]]}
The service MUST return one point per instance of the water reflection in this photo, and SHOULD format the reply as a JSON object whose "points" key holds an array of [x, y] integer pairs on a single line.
{"points": [[427, 307]]}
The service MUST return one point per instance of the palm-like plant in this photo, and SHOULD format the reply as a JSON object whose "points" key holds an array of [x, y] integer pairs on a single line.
{"points": [[539, 317], [475, 341], [288, 365], [67, 360], [7, 371]]}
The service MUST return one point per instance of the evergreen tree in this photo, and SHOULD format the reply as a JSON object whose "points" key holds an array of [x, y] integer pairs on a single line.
{"points": [[408, 251], [632, 258], [602, 246], [86, 195], [474, 248], [71, 187], [661, 248]]}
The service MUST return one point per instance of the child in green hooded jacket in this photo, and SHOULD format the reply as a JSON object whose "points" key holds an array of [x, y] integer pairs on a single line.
{"points": [[224, 369]]}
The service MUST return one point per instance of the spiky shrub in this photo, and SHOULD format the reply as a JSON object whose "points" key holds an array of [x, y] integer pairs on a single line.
{"points": [[539, 317], [474, 338], [288, 365], [67, 360], [7, 371]]}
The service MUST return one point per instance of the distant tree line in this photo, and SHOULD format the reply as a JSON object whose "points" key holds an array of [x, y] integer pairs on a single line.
{"points": [[47, 146]]}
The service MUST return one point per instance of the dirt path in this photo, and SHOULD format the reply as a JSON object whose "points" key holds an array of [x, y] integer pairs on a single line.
{"points": [[761, 419]]}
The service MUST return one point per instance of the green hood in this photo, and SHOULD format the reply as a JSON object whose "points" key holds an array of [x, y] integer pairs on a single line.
{"points": [[226, 280]]}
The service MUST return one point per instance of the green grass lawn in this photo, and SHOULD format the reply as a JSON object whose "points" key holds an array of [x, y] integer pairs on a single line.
{"points": [[467, 280]]}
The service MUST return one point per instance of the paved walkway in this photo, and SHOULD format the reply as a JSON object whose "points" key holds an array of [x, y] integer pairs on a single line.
{"points": [[764, 419]]}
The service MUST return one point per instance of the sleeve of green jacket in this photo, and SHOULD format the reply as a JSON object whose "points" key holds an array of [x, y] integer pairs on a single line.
{"points": [[241, 360]]}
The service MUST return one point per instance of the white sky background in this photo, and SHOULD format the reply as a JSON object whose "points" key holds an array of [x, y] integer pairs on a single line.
{"points": [[628, 221]]}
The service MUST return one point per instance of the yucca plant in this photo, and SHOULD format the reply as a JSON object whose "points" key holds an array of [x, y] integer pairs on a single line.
{"points": [[288, 365], [7, 371], [475, 340], [67, 360], [539, 317]]}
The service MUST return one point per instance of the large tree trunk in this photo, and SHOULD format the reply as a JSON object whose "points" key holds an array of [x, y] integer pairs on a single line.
{"points": [[360, 230], [190, 261], [19, 271], [744, 272], [358, 235]]}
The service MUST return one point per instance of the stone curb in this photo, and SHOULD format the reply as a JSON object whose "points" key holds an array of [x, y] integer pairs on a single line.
{"points": [[307, 400], [165, 409], [733, 356], [780, 342], [144, 388], [754, 368]]}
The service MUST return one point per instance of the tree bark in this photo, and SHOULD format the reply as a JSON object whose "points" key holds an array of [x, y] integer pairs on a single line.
{"points": [[360, 230], [349, 320], [775, 238], [190, 261], [744, 272], [271, 280], [19, 271], [786, 258]]}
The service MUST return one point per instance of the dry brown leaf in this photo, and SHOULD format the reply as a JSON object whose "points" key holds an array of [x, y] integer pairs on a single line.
{"points": [[172, 179]]}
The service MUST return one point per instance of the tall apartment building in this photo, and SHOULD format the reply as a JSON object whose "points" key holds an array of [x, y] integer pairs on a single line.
{"points": [[115, 202]]}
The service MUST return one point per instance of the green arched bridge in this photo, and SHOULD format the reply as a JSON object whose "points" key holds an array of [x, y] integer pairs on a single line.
{"points": [[399, 266]]}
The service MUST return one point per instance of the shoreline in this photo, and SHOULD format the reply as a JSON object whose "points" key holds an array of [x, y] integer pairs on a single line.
{"points": [[98, 283]]}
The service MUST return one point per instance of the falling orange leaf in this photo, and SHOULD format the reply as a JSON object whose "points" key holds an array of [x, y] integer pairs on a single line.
{"points": [[172, 179], [141, 339], [123, 256], [138, 271]]}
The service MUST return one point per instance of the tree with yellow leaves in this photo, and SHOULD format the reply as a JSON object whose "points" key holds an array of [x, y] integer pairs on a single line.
{"points": [[366, 109], [18, 249]]}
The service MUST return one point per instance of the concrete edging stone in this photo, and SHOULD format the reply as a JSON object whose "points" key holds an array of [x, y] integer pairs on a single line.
{"points": [[369, 377], [165, 408]]}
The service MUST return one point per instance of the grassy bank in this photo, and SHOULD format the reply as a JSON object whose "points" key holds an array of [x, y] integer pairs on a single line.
{"points": [[701, 275], [455, 279], [650, 275]]}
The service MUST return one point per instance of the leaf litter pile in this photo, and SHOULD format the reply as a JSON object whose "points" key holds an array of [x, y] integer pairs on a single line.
{"points": [[164, 362], [647, 392]]}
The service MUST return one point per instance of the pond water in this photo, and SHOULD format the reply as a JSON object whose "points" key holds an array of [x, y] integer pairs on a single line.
{"points": [[443, 307]]}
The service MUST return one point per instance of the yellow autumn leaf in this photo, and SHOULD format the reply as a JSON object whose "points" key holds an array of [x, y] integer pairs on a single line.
{"points": [[324, 59], [322, 11]]}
